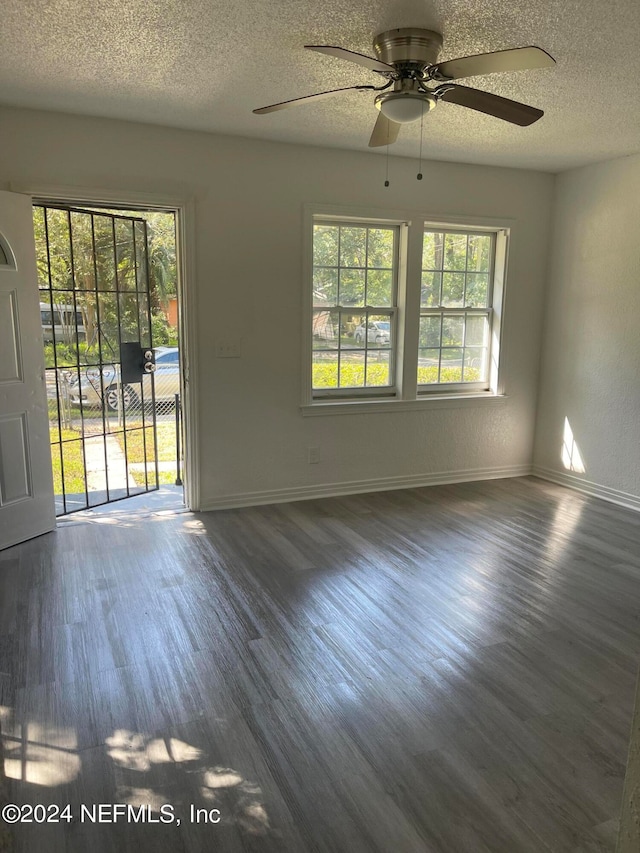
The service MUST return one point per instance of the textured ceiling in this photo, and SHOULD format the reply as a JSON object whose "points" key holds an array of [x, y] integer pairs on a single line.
{"points": [[205, 64]]}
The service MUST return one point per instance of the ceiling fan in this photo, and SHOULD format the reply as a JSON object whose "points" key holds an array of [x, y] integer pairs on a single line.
{"points": [[407, 59]]}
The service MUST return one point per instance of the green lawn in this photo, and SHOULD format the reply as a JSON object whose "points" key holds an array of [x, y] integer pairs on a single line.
{"points": [[166, 437], [72, 459], [325, 375]]}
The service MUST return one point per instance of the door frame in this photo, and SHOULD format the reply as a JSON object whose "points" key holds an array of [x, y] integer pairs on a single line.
{"points": [[184, 210]]}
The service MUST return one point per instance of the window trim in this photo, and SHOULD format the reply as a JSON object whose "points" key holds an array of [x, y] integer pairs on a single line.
{"points": [[407, 394]]}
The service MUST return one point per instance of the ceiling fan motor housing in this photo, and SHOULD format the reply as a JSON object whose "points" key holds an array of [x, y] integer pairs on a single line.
{"points": [[408, 45]]}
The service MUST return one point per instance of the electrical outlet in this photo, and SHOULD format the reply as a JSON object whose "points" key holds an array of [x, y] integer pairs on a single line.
{"points": [[314, 455]]}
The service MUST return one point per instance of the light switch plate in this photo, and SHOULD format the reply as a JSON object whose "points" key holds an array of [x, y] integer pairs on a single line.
{"points": [[228, 348]]}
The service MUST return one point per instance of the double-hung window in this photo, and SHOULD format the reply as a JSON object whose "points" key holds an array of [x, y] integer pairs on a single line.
{"points": [[403, 309], [355, 284], [455, 309]]}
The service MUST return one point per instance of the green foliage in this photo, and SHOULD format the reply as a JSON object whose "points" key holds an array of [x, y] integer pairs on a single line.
{"points": [[455, 269], [325, 375], [92, 256], [351, 375], [162, 333], [166, 442], [69, 355], [353, 265]]}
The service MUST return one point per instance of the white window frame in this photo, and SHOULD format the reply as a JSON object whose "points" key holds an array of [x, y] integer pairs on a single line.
{"points": [[371, 391], [406, 394]]}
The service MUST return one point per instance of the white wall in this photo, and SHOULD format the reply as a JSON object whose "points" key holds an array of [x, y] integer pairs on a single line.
{"points": [[591, 346], [249, 199]]}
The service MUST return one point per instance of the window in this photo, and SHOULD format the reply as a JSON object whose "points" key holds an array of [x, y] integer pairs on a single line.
{"points": [[404, 309], [354, 307], [6, 255], [455, 309]]}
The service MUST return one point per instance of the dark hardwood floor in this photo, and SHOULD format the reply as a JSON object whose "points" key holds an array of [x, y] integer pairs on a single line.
{"points": [[448, 669]]}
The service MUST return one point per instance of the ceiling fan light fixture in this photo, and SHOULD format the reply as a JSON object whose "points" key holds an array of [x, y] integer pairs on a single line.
{"points": [[405, 107]]}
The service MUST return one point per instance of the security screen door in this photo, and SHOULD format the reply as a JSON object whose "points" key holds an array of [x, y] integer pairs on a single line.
{"points": [[96, 317]]}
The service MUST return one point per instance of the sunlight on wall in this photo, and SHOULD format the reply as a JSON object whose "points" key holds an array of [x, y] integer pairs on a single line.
{"points": [[571, 458]]}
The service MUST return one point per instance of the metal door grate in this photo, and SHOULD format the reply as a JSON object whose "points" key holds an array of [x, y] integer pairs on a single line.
{"points": [[95, 296]]}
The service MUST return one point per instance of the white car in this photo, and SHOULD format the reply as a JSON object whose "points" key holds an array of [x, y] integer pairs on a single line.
{"points": [[89, 390], [378, 332]]}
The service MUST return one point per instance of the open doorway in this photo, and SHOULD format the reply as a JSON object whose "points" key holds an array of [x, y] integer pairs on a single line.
{"points": [[109, 306]]}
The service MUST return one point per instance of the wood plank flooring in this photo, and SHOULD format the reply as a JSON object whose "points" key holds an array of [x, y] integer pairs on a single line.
{"points": [[448, 670]]}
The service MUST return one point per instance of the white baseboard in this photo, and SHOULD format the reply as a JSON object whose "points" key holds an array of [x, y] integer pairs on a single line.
{"points": [[353, 487], [594, 490]]}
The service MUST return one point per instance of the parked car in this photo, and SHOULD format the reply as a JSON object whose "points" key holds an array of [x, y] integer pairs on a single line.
{"points": [[377, 331], [93, 387]]}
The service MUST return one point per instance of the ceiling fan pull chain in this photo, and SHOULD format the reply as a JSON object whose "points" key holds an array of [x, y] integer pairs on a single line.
{"points": [[386, 183], [419, 175]]}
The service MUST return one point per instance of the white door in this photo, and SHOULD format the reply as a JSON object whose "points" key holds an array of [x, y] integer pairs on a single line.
{"points": [[27, 505]]}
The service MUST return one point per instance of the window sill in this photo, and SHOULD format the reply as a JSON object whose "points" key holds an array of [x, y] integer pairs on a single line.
{"points": [[352, 407]]}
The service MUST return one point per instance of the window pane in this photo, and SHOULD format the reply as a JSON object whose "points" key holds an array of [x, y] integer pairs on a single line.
{"points": [[452, 330], [452, 289], [352, 287], [352, 370], [432, 250], [479, 252], [325, 286], [378, 368], [475, 364], [380, 248], [428, 366], [325, 326], [477, 290], [349, 324], [430, 331], [325, 245], [325, 370], [451, 365], [378, 331], [379, 287], [476, 328], [353, 247], [430, 292], [455, 251]]}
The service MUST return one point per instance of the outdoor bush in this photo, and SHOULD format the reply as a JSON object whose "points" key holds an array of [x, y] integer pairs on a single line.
{"points": [[352, 375]]}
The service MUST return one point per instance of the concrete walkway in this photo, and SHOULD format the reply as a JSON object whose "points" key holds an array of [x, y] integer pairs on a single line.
{"points": [[121, 482], [94, 449]]}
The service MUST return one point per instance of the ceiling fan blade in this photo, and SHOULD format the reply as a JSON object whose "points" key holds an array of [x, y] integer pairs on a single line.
{"points": [[516, 59], [306, 98], [493, 105], [359, 58], [385, 132]]}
